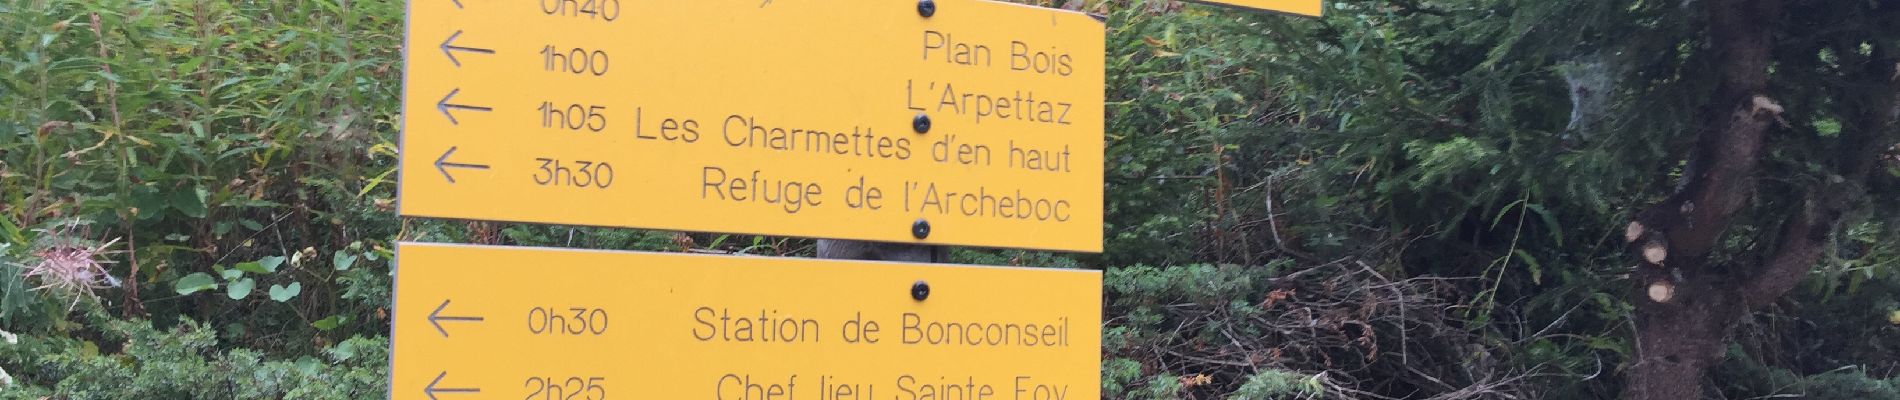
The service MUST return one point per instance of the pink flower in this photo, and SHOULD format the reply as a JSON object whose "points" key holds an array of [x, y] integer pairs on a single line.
{"points": [[70, 264]]}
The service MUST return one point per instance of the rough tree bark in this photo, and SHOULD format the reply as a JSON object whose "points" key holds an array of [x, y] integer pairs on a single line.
{"points": [[1686, 306]]}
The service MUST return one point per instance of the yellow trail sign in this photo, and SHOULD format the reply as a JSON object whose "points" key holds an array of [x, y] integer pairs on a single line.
{"points": [[980, 124], [477, 322], [1310, 8]]}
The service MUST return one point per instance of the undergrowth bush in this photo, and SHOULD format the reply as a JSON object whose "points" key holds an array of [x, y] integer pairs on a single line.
{"points": [[186, 361]]}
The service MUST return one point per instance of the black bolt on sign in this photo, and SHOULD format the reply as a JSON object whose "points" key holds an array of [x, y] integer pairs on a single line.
{"points": [[926, 8], [920, 229], [921, 124], [920, 291]]}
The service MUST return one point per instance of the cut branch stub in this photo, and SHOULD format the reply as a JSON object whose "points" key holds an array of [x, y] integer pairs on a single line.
{"points": [[1662, 291], [1633, 232], [1655, 252], [1762, 103]]}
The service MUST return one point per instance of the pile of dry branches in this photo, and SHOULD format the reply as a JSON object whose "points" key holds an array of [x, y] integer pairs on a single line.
{"points": [[1343, 325]]}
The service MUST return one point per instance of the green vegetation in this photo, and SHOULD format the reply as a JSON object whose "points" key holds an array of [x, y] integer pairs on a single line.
{"points": [[1404, 199]]}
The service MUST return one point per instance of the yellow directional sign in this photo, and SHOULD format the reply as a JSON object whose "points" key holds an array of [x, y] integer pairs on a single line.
{"points": [[477, 322], [979, 124], [1311, 8]]}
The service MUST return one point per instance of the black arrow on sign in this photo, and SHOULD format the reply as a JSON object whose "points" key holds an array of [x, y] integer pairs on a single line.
{"points": [[444, 106], [431, 390], [449, 48], [443, 164], [436, 318]]}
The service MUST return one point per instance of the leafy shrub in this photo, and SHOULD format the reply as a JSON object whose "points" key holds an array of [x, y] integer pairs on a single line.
{"points": [[187, 362], [1272, 384]]}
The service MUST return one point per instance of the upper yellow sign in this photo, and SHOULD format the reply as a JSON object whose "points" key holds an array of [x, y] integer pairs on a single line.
{"points": [[475, 323], [980, 124], [1311, 8]]}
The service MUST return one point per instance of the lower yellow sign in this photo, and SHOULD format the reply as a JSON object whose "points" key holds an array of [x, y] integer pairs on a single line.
{"points": [[474, 322]]}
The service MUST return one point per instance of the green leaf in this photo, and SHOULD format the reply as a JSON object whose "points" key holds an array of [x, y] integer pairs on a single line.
{"points": [[1537, 269], [309, 366], [285, 293], [232, 274], [327, 324], [194, 283], [1503, 212], [241, 289], [343, 260], [271, 263], [148, 201], [190, 202], [1556, 230], [251, 267], [191, 65], [11, 231]]}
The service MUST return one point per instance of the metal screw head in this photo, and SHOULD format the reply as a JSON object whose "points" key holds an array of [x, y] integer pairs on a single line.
{"points": [[920, 229], [921, 123], [920, 291], [926, 8]]}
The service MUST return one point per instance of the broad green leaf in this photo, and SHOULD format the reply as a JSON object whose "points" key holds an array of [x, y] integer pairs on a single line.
{"points": [[343, 261], [343, 351], [190, 202], [148, 202], [285, 293], [252, 267], [271, 263], [309, 366], [328, 323], [194, 283], [241, 289]]}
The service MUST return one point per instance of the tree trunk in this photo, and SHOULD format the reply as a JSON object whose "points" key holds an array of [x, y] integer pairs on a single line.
{"points": [[1687, 306], [1678, 341], [1684, 310]]}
